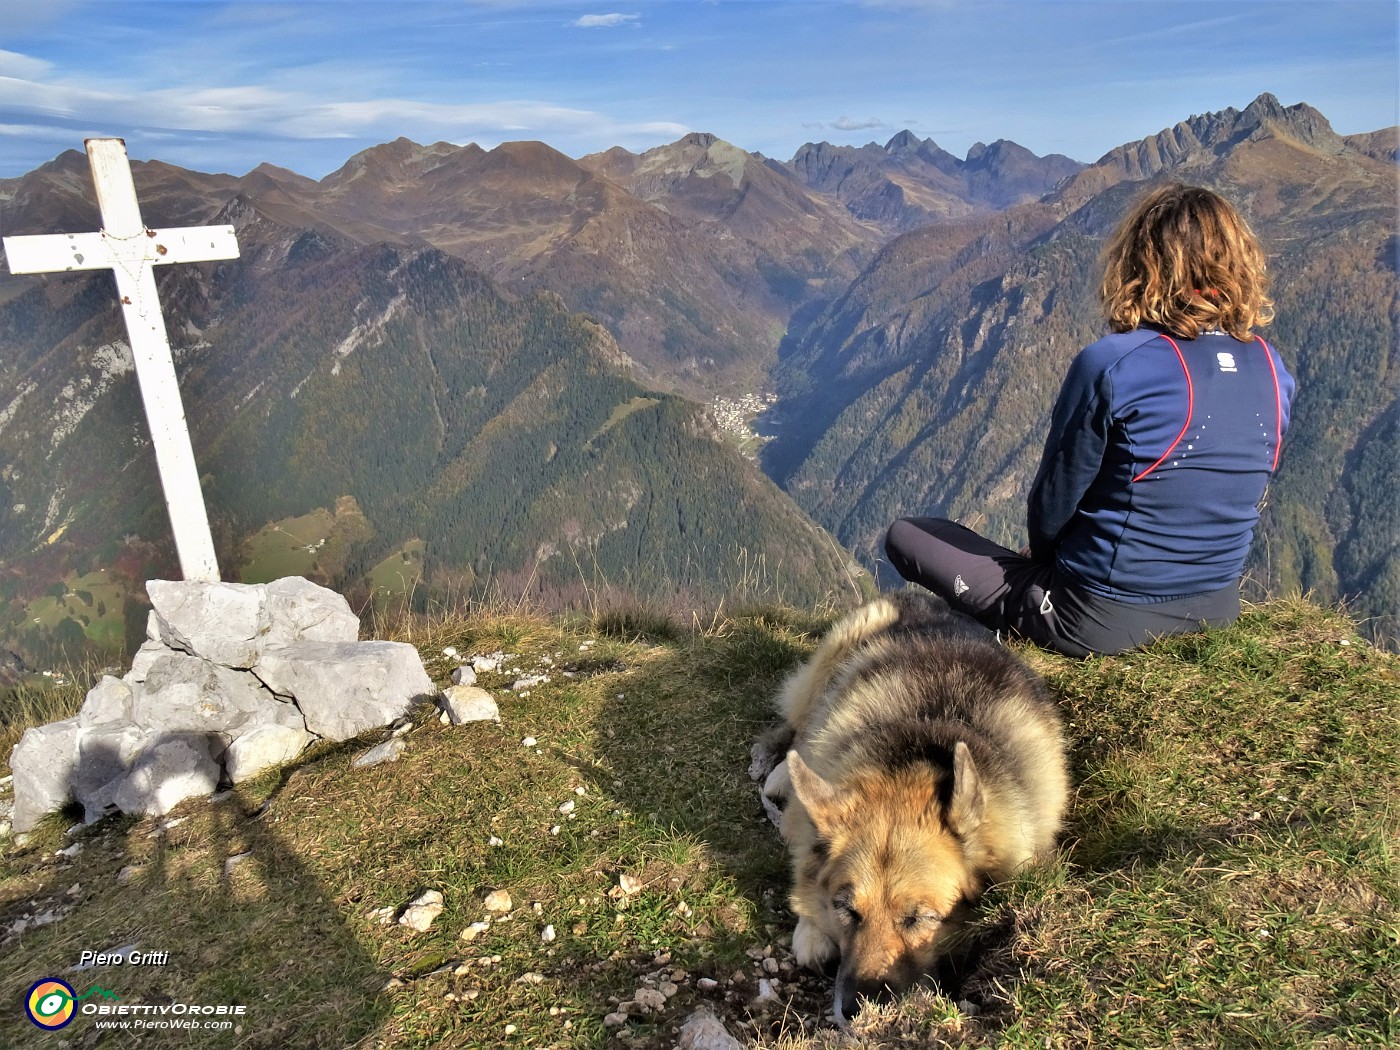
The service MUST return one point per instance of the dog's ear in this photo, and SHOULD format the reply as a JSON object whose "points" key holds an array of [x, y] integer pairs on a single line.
{"points": [[818, 797], [966, 805]]}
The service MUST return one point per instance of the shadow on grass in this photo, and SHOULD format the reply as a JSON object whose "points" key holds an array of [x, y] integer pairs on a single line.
{"points": [[676, 741], [221, 911]]}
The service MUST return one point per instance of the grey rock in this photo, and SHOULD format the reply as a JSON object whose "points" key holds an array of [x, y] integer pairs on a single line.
{"points": [[221, 622], [141, 662], [389, 751], [463, 675], [106, 754], [421, 913], [166, 773], [263, 747], [42, 764], [467, 703], [345, 688], [108, 701], [298, 610], [704, 1031], [188, 694], [766, 993], [232, 623], [191, 702]]}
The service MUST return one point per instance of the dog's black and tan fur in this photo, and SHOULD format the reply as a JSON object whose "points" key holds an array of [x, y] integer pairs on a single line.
{"points": [[926, 761]]}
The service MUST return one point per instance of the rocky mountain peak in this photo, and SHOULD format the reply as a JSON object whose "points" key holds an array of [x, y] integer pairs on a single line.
{"points": [[70, 161], [1266, 106], [1301, 122], [906, 140], [698, 140], [1204, 137], [399, 159]]}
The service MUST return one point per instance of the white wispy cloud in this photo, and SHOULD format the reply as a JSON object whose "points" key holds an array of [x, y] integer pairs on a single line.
{"points": [[22, 67], [852, 124], [257, 109], [604, 21]]}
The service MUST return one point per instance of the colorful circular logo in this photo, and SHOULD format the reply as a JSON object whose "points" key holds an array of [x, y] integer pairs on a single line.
{"points": [[50, 1003]]}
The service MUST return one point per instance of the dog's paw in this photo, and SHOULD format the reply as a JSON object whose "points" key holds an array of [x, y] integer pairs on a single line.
{"points": [[777, 790], [811, 946], [768, 750]]}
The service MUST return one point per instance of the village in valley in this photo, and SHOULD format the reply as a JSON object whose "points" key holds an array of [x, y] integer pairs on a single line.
{"points": [[735, 417]]}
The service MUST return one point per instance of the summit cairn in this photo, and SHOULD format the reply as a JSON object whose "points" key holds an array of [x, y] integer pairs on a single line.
{"points": [[234, 678]]}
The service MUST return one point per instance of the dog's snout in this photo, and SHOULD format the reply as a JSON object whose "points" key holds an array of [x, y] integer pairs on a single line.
{"points": [[857, 993], [852, 989]]}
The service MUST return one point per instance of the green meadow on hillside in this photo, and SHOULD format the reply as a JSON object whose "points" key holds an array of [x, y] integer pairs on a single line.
{"points": [[1229, 875], [83, 609]]}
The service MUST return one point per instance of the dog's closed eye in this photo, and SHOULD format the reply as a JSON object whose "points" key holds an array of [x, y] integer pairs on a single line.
{"points": [[844, 906], [924, 917]]}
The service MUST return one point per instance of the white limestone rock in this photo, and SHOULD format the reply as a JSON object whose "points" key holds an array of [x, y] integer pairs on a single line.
{"points": [[221, 622], [263, 747], [141, 662], [389, 751], [468, 703], [108, 701], [42, 764], [188, 694], [106, 754], [232, 623], [166, 773], [298, 610], [704, 1031], [345, 688], [423, 912]]}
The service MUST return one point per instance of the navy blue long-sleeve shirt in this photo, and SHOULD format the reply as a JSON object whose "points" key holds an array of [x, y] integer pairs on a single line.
{"points": [[1159, 452]]}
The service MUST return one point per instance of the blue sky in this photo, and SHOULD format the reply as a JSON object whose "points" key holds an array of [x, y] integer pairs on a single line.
{"points": [[305, 84]]}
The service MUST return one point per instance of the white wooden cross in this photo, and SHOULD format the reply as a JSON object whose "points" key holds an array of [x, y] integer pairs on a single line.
{"points": [[130, 250]]}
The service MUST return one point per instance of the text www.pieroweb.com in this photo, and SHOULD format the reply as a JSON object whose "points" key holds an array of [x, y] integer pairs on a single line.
{"points": [[183, 1023], [176, 1016]]}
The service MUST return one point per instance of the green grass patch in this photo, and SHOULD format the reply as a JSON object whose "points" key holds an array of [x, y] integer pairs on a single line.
{"points": [[315, 545], [288, 547], [395, 578], [619, 414], [1228, 877], [92, 601]]}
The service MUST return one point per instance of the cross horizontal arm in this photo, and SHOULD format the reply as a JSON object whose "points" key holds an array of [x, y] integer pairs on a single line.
{"points": [[49, 253]]}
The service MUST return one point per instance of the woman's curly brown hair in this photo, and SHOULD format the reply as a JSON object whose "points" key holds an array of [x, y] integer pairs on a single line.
{"points": [[1185, 261]]}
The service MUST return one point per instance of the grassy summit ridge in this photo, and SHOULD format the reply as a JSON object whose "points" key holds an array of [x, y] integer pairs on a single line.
{"points": [[1228, 876]]}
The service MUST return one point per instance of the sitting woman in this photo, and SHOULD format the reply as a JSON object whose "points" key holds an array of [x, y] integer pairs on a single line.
{"points": [[1162, 442]]}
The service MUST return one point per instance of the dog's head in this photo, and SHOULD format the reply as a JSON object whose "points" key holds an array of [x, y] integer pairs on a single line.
{"points": [[895, 866]]}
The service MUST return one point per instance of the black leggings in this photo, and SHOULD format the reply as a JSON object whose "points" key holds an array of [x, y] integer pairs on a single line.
{"points": [[1008, 592]]}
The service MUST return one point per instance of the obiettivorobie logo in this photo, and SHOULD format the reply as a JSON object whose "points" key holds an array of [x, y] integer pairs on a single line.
{"points": [[52, 1003]]}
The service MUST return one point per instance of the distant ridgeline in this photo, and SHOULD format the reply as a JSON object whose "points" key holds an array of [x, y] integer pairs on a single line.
{"points": [[394, 391]]}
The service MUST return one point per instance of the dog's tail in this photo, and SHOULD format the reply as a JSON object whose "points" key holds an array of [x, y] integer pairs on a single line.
{"points": [[805, 685]]}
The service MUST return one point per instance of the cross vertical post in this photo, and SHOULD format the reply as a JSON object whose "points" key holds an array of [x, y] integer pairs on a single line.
{"points": [[130, 250]]}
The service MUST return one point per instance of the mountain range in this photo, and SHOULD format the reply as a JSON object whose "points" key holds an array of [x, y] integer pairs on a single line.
{"points": [[471, 369]]}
